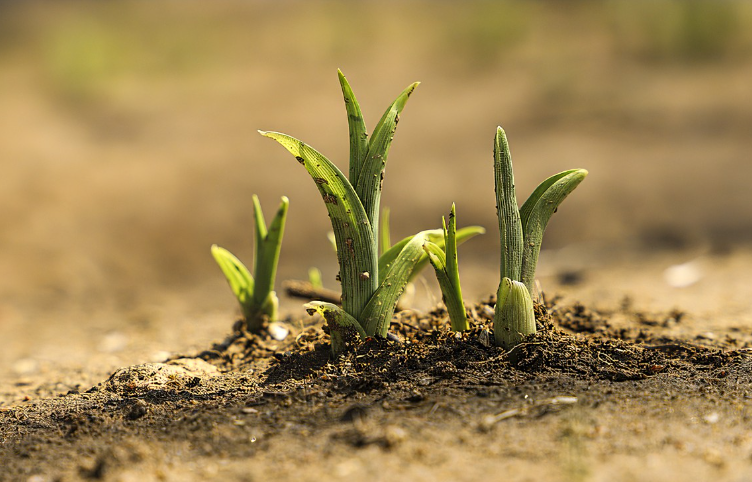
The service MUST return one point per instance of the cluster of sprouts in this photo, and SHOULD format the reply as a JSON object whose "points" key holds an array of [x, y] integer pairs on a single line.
{"points": [[374, 277]]}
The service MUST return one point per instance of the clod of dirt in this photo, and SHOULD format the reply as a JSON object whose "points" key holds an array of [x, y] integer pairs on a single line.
{"points": [[176, 375]]}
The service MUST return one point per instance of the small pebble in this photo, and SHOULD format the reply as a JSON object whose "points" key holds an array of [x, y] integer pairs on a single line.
{"points": [[683, 275], [113, 342], [712, 418], [278, 331]]}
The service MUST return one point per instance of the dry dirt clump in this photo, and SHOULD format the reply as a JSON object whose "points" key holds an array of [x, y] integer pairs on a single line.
{"points": [[256, 408]]}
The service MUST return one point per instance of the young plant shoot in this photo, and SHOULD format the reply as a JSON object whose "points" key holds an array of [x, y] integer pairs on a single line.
{"points": [[255, 293], [521, 232], [370, 286], [444, 262]]}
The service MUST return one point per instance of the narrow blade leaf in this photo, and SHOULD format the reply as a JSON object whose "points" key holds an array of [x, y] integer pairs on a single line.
{"points": [[514, 317], [435, 236], [357, 128], [458, 316], [267, 252], [450, 241], [238, 276], [259, 224], [450, 292], [532, 200], [344, 330], [356, 247], [510, 227], [378, 312], [385, 240], [369, 183], [540, 210], [388, 258]]}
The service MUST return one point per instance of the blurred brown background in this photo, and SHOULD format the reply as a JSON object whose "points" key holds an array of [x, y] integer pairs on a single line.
{"points": [[128, 144]]}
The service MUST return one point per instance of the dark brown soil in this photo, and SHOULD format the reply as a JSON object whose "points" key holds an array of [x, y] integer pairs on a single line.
{"points": [[255, 406]]}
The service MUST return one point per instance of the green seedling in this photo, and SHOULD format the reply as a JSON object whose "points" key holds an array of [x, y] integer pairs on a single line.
{"points": [[371, 286], [521, 232], [444, 262], [314, 278], [255, 293]]}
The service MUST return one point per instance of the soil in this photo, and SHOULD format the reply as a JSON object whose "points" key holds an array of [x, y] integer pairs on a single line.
{"points": [[579, 400]]}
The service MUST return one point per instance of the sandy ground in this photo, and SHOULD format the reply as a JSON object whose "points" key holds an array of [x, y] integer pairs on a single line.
{"points": [[129, 146]]}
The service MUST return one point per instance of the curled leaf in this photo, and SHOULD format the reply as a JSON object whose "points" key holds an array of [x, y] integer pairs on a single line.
{"points": [[537, 211], [344, 330]]}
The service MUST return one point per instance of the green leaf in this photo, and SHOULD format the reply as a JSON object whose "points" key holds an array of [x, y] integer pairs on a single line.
{"points": [[314, 277], [514, 317], [377, 314], [451, 293], [357, 128], [531, 201], [510, 227], [259, 224], [388, 258], [450, 247], [356, 246], [537, 211], [239, 278], [457, 309], [435, 236], [369, 182], [332, 240], [385, 236], [344, 330], [268, 246]]}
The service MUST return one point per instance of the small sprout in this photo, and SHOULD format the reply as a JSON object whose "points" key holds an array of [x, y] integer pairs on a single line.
{"points": [[314, 277], [344, 330], [445, 264], [514, 312], [255, 294], [521, 232]]}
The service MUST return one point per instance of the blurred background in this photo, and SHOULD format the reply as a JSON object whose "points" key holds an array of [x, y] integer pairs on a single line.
{"points": [[128, 146]]}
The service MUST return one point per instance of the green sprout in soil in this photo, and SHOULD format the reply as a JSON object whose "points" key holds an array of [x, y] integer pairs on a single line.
{"points": [[521, 231], [444, 262], [255, 293], [314, 278], [371, 285]]}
